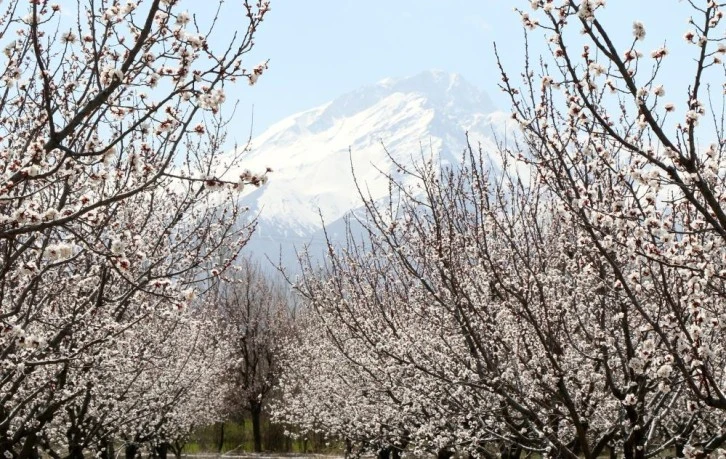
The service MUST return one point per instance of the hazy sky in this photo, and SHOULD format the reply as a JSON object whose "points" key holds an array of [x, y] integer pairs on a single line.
{"points": [[320, 49]]}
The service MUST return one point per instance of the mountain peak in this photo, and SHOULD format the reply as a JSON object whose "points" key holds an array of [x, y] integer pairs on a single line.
{"points": [[312, 152], [441, 90], [428, 82]]}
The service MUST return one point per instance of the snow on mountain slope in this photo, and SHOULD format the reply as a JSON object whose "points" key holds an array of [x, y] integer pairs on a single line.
{"points": [[311, 153]]}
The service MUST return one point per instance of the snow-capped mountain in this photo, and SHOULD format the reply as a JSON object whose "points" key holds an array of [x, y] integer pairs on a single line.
{"points": [[313, 154]]}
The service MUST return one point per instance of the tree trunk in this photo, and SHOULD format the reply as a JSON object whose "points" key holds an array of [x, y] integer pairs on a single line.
{"points": [[30, 448], [177, 447], [680, 446], [220, 445], [107, 450], [162, 450], [632, 448], [256, 411], [398, 450], [384, 453], [75, 452], [510, 452], [131, 450]]}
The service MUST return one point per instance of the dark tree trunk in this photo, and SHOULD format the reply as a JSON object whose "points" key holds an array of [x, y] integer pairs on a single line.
{"points": [[107, 450], [398, 450], [510, 452], [162, 450], [75, 452], [177, 448], [614, 454], [631, 448], [256, 411], [131, 450], [680, 446], [444, 454], [220, 445], [30, 448], [390, 452]]}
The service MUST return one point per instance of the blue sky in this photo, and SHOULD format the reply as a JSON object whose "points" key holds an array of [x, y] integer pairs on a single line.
{"points": [[320, 49]]}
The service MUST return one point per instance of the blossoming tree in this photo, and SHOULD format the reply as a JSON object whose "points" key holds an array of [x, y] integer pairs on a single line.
{"points": [[563, 295], [641, 174], [113, 208], [255, 317], [473, 321]]}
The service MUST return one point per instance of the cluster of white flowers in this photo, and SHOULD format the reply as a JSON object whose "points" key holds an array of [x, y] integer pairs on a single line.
{"points": [[59, 251], [110, 74], [257, 72], [211, 100]]}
